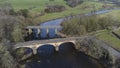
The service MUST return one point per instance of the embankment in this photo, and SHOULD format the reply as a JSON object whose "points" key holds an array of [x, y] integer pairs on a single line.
{"points": [[99, 50]]}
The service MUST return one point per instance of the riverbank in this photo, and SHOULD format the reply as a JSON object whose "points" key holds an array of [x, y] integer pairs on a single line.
{"points": [[103, 12], [100, 50]]}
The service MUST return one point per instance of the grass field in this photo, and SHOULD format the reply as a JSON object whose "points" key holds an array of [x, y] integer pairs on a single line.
{"points": [[80, 9], [115, 14], [39, 5], [107, 37]]}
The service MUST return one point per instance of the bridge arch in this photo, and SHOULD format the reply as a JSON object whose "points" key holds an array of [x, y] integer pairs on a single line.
{"points": [[67, 47], [45, 50]]}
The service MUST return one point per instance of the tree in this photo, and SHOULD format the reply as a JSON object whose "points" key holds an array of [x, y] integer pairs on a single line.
{"points": [[51, 0], [54, 8], [9, 25], [17, 34], [73, 3], [6, 60], [86, 24], [23, 12]]}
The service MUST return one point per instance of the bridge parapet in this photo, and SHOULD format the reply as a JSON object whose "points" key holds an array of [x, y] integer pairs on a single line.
{"points": [[39, 27]]}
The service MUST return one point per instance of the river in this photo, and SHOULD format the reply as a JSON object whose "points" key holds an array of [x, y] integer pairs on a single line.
{"points": [[59, 60], [70, 60], [57, 22]]}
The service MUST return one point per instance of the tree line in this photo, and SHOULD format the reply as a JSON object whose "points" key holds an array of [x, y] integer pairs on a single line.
{"points": [[81, 25]]}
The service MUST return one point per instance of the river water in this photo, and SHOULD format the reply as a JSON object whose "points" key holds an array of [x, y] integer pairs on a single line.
{"points": [[70, 60], [57, 22], [59, 60]]}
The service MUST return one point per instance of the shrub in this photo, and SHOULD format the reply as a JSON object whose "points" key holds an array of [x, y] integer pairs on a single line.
{"points": [[73, 3], [54, 8], [23, 12], [6, 60]]}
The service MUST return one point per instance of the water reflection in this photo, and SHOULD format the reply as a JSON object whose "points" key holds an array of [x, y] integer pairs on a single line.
{"points": [[43, 33], [66, 58], [45, 50], [52, 33], [66, 48], [73, 60]]}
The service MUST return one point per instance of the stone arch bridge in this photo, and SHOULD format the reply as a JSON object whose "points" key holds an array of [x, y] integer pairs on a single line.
{"points": [[55, 42]]}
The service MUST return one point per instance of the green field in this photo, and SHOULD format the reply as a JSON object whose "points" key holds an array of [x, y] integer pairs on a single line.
{"points": [[39, 5], [107, 37], [115, 14], [80, 9]]}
